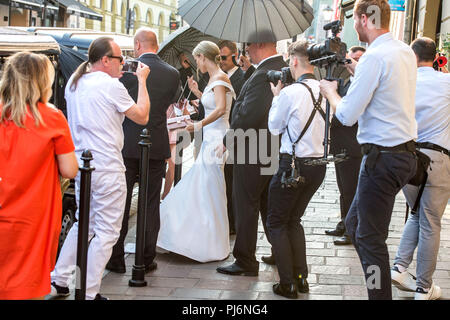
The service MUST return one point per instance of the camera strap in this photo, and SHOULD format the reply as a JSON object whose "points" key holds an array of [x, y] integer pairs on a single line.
{"points": [[317, 107]]}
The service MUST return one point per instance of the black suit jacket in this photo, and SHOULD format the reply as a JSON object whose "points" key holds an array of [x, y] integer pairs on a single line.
{"points": [[251, 109], [237, 81], [163, 85], [343, 137]]}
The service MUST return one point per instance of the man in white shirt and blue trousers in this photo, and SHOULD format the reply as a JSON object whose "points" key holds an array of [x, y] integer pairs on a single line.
{"points": [[423, 228], [298, 114], [381, 99]]}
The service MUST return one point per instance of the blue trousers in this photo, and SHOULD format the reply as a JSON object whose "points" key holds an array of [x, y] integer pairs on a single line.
{"points": [[368, 219]]}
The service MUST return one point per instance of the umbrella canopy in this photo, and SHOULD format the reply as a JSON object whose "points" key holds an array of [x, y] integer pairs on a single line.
{"points": [[69, 60], [248, 20], [184, 40]]}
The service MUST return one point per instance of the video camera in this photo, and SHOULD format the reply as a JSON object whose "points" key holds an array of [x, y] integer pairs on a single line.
{"points": [[332, 50]]}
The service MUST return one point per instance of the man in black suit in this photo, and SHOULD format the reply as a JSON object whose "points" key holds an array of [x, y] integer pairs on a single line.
{"points": [[164, 88], [250, 186], [228, 49], [347, 171]]}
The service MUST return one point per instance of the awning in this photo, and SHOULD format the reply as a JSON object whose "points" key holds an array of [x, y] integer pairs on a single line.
{"points": [[347, 8], [34, 5], [76, 8]]}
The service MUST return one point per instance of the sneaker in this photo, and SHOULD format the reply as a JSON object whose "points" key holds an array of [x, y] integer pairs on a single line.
{"points": [[58, 291], [403, 280], [433, 293], [100, 297]]}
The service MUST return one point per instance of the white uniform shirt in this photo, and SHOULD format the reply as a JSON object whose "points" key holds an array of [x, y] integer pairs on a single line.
{"points": [[381, 96], [292, 108], [433, 106], [95, 112]]}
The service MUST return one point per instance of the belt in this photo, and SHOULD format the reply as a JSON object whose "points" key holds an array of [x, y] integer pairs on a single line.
{"points": [[287, 156], [373, 150], [432, 146]]}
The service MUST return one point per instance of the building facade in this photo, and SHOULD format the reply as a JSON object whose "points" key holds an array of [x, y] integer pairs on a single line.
{"points": [[101, 15]]}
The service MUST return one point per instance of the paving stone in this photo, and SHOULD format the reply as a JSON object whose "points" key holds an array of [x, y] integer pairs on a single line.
{"points": [[234, 285], [359, 291], [172, 282], [325, 289], [338, 261], [234, 295], [341, 279], [149, 291], [330, 269], [196, 293]]}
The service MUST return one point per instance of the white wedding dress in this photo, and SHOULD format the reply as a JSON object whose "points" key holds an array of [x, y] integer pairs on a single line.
{"points": [[194, 220]]}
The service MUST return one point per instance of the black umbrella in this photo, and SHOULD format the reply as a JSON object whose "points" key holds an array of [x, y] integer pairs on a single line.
{"points": [[69, 60], [184, 41], [248, 20]]}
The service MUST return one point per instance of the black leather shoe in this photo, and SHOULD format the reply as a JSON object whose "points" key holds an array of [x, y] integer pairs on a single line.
{"points": [[336, 232], [152, 266], [342, 241], [269, 260], [117, 268], [302, 285], [288, 291], [235, 270]]}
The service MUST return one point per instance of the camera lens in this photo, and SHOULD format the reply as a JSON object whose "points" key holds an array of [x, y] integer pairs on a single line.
{"points": [[274, 76]]}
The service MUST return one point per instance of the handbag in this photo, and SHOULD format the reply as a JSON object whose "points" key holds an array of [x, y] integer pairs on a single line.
{"points": [[178, 116]]}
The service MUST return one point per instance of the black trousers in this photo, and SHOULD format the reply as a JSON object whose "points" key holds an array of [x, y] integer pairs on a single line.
{"points": [[228, 172], [368, 219], [250, 190], [156, 172], [286, 207], [347, 173]]}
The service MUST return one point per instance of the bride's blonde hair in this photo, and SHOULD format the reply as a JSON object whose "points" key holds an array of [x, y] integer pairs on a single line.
{"points": [[209, 49]]}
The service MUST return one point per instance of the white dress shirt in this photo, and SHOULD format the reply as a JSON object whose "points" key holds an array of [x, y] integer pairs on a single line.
{"points": [[381, 96], [292, 108], [232, 71], [433, 107]]}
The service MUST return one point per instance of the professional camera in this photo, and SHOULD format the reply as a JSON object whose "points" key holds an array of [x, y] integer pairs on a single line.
{"points": [[292, 180], [331, 50], [284, 75]]}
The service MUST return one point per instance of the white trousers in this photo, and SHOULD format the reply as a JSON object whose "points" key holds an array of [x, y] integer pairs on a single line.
{"points": [[105, 220]]}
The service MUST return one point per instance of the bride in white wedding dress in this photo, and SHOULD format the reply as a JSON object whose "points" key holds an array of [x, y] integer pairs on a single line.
{"points": [[194, 221]]}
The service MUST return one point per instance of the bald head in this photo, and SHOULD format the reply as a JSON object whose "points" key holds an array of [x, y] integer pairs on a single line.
{"points": [[145, 40]]}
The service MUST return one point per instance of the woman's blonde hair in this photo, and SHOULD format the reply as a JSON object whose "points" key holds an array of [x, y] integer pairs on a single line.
{"points": [[27, 79], [209, 49]]}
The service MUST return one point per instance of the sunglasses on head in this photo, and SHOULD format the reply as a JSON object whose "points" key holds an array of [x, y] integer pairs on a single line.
{"points": [[116, 57]]}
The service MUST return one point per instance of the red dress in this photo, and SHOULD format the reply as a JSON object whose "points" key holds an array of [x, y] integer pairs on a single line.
{"points": [[30, 202]]}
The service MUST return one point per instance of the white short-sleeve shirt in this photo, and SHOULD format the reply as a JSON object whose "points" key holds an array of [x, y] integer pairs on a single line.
{"points": [[95, 112]]}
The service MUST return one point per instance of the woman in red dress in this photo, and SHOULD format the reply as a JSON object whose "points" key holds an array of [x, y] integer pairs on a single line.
{"points": [[35, 148]]}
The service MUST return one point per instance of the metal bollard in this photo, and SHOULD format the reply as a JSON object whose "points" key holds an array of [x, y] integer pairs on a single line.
{"points": [[178, 166], [138, 272], [83, 224]]}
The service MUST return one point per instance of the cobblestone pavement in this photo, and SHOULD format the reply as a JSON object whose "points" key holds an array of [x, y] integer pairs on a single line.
{"points": [[335, 271]]}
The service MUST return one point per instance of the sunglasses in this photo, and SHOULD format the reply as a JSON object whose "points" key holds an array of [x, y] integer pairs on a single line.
{"points": [[117, 57], [226, 57]]}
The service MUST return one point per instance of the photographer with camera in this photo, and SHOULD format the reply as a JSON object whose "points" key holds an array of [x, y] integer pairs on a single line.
{"points": [[297, 113], [423, 228], [344, 138], [381, 99]]}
